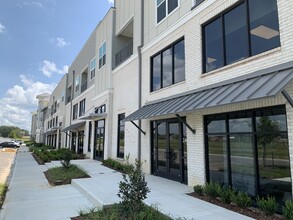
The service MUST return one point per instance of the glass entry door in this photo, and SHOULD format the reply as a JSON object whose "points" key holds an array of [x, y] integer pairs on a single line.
{"points": [[80, 142], [99, 140], [169, 159]]}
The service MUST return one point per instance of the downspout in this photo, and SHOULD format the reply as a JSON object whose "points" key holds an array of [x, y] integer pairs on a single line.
{"points": [[71, 98], [140, 73]]}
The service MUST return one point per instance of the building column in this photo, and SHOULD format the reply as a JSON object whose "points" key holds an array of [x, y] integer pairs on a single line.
{"points": [[57, 142]]}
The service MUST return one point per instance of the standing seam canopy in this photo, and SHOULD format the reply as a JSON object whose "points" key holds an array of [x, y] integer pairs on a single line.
{"points": [[240, 89]]}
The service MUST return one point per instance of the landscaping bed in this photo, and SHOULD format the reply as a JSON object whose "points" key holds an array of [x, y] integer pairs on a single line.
{"points": [[3, 190], [262, 208], [252, 212], [115, 165], [43, 156], [64, 175], [119, 212]]}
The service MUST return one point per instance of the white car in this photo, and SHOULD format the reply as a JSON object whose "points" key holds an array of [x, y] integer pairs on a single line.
{"points": [[16, 143]]}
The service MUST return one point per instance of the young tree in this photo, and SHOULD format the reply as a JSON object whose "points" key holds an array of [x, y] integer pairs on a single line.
{"points": [[268, 130], [133, 188]]}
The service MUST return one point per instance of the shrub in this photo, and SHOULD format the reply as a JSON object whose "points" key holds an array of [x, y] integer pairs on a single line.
{"points": [[212, 189], [242, 199], [226, 195], [133, 188], [66, 158], [198, 190], [288, 210], [269, 206]]}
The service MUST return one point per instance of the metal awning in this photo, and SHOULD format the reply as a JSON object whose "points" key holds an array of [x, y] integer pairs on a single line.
{"points": [[245, 88], [93, 115], [74, 126], [49, 132]]}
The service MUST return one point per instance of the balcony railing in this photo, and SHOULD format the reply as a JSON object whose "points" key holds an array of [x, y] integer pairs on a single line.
{"points": [[124, 53], [83, 86]]}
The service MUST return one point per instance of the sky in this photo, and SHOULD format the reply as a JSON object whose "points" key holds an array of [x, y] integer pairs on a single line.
{"points": [[39, 39]]}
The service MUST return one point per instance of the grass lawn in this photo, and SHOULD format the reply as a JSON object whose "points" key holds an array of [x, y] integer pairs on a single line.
{"points": [[3, 189], [61, 175], [117, 212]]}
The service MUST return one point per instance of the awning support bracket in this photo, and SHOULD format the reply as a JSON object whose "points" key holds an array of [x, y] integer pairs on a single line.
{"points": [[185, 123], [287, 97], [65, 132], [138, 128]]}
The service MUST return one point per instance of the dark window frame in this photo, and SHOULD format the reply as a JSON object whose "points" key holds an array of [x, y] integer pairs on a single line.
{"points": [[119, 155], [82, 107], [75, 111], [167, 13], [221, 16], [254, 133], [161, 63]]}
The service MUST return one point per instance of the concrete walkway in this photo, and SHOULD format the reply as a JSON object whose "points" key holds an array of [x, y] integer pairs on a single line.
{"points": [[30, 196]]}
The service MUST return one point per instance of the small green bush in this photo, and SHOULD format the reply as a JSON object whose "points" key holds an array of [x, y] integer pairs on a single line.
{"points": [[66, 158], [198, 190], [226, 195], [269, 206], [288, 210], [212, 190], [241, 199], [133, 189]]}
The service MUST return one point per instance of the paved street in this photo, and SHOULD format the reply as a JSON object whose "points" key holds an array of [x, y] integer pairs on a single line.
{"points": [[6, 160]]}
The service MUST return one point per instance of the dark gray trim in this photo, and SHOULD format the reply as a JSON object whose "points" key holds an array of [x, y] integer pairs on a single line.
{"points": [[287, 97], [138, 128], [185, 123]]}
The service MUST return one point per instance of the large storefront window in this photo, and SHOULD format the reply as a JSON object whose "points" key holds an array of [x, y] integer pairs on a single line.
{"points": [[249, 151]]}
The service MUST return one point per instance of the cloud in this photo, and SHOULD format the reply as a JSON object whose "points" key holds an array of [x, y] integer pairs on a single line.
{"points": [[2, 28], [111, 2], [32, 3], [49, 68], [61, 42], [20, 100]]}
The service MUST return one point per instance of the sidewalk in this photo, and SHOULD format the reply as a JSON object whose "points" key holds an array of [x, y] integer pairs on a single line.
{"points": [[30, 196]]}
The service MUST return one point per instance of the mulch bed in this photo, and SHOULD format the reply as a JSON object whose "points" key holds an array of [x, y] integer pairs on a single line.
{"points": [[39, 161], [113, 168], [248, 211]]}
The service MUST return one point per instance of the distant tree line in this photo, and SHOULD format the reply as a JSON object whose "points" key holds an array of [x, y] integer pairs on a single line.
{"points": [[12, 132]]}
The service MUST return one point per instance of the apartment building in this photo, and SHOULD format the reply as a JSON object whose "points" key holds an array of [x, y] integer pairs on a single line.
{"points": [[55, 117], [39, 118], [217, 82], [198, 90], [34, 125]]}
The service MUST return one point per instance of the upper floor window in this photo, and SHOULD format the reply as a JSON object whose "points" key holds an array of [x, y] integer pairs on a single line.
{"points": [[93, 68], [102, 55], [82, 107], [75, 110], [165, 7], [236, 34], [77, 84], [168, 66], [101, 109], [196, 2]]}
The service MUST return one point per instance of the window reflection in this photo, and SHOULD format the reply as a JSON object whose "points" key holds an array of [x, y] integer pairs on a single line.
{"points": [[261, 147]]}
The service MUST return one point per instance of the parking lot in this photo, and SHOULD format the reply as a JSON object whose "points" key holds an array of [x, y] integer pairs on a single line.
{"points": [[6, 160]]}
